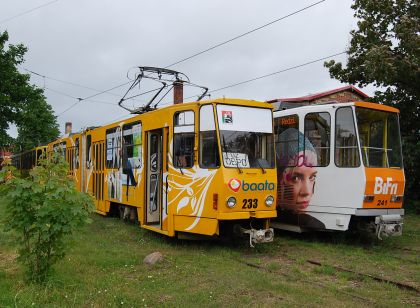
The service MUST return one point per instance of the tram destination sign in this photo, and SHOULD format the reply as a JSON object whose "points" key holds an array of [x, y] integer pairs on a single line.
{"points": [[235, 160]]}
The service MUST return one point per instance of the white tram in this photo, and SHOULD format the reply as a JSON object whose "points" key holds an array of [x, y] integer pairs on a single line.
{"points": [[339, 166]]}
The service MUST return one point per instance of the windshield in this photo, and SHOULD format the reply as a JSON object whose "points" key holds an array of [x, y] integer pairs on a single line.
{"points": [[246, 136], [379, 135], [247, 149]]}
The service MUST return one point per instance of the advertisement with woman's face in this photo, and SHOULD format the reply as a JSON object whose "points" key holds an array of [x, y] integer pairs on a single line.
{"points": [[297, 161]]}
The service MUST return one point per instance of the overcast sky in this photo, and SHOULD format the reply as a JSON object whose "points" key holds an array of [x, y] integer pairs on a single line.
{"points": [[94, 43]]}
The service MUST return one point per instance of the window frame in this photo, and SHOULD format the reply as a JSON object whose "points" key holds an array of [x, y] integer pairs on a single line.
{"points": [[217, 138], [194, 133], [356, 134], [329, 139], [124, 149], [276, 134], [108, 131]]}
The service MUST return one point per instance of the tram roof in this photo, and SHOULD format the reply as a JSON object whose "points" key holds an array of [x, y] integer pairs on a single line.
{"points": [[334, 104], [181, 106], [376, 106], [223, 100]]}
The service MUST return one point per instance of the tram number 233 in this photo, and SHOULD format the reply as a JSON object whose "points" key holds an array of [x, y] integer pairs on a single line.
{"points": [[249, 203]]}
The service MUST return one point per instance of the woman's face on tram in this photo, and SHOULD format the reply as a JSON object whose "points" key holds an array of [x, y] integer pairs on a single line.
{"points": [[297, 183]]}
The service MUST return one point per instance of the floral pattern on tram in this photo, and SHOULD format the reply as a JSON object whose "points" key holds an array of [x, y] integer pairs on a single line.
{"points": [[190, 188]]}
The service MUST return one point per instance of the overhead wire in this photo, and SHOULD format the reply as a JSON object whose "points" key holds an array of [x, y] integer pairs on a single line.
{"points": [[267, 75], [246, 33], [215, 46], [27, 12], [278, 72], [73, 97], [251, 80], [79, 99], [66, 82]]}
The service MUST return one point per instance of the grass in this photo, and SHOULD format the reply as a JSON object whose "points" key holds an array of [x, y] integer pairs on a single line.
{"points": [[104, 268]]}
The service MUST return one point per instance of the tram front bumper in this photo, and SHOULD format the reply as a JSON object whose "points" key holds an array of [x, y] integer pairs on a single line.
{"points": [[388, 222], [388, 225], [246, 215]]}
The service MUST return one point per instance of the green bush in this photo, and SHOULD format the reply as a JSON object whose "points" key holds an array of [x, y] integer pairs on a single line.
{"points": [[43, 209]]}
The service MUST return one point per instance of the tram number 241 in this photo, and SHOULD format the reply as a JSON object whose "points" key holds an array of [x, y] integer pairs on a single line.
{"points": [[249, 203], [382, 202]]}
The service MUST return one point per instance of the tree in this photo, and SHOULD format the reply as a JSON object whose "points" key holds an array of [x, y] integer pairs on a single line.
{"points": [[385, 51], [36, 123], [43, 210], [22, 103]]}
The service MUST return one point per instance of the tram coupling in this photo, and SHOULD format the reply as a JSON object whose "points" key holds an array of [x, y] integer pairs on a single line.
{"points": [[256, 236], [388, 225]]}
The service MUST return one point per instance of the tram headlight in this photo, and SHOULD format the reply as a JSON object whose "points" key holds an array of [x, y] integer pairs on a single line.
{"points": [[231, 202], [269, 201], [396, 199]]}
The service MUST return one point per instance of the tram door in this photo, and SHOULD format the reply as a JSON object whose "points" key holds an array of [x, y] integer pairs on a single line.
{"points": [[154, 176]]}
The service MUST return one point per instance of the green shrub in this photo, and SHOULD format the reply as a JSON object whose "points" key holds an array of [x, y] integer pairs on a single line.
{"points": [[43, 209]]}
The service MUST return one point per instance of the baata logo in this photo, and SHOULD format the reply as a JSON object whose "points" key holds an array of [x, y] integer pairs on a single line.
{"points": [[234, 184]]}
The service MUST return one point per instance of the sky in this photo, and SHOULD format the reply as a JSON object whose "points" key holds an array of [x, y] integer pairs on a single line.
{"points": [[97, 43]]}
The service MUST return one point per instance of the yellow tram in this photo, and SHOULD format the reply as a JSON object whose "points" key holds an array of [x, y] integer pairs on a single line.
{"points": [[25, 161], [202, 168]]}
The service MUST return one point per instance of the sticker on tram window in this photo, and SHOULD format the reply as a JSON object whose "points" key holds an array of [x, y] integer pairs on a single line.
{"points": [[236, 160], [291, 120], [227, 117]]}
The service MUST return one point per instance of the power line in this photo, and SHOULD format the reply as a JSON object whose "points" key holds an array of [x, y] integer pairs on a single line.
{"points": [[78, 85], [278, 72], [203, 51], [27, 12], [71, 96], [252, 79], [66, 82], [267, 75], [246, 33], [216, 46], [79, 100]]}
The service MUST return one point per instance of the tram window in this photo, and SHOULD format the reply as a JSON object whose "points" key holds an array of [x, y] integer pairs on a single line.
{"points": [[379, 136], [184, 139], [40, 154], [132, 150], [88, 145], [76, 154], [346, 148], [317, 132], [60, 148], [394, 141], [286, 139], [113, 148], [209, 150], [184, 150], [184, 118]]}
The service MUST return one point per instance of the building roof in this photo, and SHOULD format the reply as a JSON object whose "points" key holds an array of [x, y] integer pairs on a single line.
{"points": [[315, 96]]}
